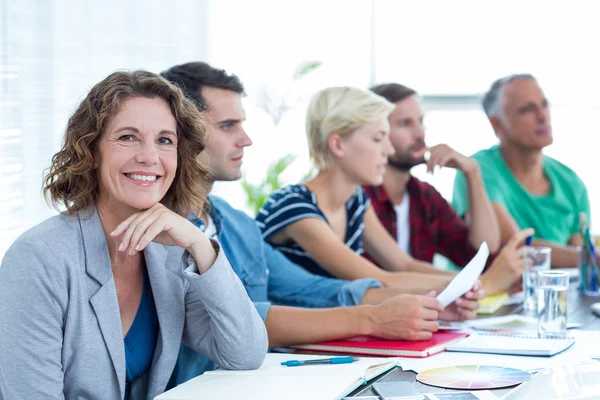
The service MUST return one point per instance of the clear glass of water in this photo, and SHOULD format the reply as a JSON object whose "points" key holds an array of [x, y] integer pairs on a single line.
{"points": [[537, 259], [553, 287]]}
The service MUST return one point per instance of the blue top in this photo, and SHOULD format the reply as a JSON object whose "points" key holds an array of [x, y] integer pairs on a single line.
{"points": [[296, 202], [141, 337], [267, 276]]}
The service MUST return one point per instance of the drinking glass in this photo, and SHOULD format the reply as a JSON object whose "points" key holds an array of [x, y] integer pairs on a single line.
{"points": [[537, 259], [553, 287]]}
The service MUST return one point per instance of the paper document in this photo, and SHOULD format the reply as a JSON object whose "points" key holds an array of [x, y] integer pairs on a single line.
{"points": [[464, 281]]}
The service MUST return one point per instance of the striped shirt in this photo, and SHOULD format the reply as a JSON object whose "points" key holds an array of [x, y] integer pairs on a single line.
{"points": [[296, 202]]}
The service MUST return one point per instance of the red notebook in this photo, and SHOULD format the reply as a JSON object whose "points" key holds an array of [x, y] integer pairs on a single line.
{"points": [[368, 345]]}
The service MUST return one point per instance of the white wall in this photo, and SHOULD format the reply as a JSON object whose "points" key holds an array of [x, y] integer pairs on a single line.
{"points": [[51, 53]]}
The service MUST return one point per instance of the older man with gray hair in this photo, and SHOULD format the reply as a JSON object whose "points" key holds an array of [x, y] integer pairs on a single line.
{"points": [[526, 187]]}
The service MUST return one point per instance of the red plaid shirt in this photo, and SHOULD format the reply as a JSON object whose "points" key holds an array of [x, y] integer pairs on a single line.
{"points": [[434, 226]]}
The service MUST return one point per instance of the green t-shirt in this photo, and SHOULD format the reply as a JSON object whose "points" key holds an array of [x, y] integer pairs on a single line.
{"points": [[555, 216]]}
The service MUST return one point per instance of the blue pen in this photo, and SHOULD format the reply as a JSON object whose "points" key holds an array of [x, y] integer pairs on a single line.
{"points": [[528, 240], [332, 360], [593, 262]]}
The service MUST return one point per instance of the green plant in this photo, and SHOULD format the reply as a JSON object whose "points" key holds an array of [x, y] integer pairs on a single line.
{"points": [[257, 195]]}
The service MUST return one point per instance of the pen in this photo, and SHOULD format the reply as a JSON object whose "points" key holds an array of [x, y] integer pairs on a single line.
{"points": [[592, 260], [583, 251], [332, 360], [528, 240]]}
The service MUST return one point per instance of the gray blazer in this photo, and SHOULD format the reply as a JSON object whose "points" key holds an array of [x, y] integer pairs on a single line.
{"points": [[60, 327]]}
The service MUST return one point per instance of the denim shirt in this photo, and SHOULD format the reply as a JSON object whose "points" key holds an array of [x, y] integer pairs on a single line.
{"points": [[268, 276]]}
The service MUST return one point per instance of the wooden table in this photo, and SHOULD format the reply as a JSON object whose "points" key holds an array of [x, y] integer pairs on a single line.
{"points": [[578, 310]]}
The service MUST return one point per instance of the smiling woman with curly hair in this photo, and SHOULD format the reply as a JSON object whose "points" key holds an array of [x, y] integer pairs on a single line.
{"points": [[96, 301], [72, 179]]}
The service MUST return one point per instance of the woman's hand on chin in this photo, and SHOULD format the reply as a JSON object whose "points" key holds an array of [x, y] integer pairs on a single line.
{"points": [[160, 225]]}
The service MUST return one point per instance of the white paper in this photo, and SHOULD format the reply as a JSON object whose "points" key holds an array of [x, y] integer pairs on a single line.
{"points": [[464, 281]]}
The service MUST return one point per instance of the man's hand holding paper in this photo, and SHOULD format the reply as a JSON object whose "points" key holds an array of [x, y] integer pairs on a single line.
{"points": [[466, 306]]}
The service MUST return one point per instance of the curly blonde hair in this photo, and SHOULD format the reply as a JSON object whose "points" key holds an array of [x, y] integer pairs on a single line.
{"points": [[72, 180]]}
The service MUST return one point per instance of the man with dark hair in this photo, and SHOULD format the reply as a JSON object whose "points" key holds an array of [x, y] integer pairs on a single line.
{"points": [[417, 215], [188, 76], [270, 276], [526, 187]]}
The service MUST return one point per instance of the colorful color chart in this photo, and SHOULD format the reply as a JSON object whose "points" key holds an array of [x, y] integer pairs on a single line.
{"points": [[473, 377]]}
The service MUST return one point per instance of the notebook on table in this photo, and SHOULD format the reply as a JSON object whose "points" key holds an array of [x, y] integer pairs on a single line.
{"points": [[381, 347], [272, 381], [520, 345]]}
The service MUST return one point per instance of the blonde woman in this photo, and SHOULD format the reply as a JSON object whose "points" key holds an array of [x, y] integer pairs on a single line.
{"points": [[325, 223]]}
